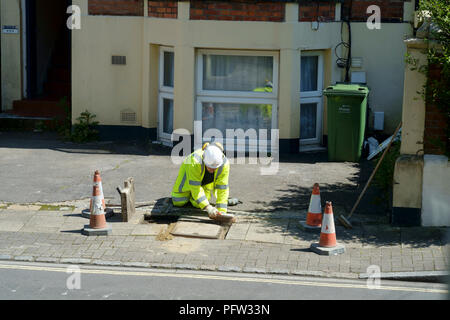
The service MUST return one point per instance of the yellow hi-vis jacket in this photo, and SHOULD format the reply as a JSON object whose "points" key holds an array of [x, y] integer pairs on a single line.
{"points": [[188, 186]]}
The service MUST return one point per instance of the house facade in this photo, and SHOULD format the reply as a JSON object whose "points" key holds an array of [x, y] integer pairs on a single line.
{"points": [[147, 68]]}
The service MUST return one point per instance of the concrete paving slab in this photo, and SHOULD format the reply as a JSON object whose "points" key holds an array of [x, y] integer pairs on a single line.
{"points": [[148, 229], [11, 226], [21, 207], [71, 227], [49, 214], [75, 220], [417, 237], [44, 221], [197, 230], [295, 235], [39, 229], [351, 238], [16, 216], [137, 218], [121, 231], [380, 236], [270, 230], [238, 231]]}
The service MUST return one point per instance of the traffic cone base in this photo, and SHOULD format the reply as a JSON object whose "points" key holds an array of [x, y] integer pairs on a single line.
{"points": [[324, 251], [306, 227], [88, 231]]}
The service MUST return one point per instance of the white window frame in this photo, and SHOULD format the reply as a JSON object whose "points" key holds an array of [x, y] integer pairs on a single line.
{"points": [[239, 142], [165, 137], [164, 93], [244, 94], [319, 120], [314, 97], [319, 91], [242, 97]]}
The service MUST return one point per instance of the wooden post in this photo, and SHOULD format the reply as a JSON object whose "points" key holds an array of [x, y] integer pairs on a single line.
{"points": [[128, 199]]}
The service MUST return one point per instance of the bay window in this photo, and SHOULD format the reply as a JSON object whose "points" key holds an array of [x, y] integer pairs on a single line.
{"points": [[237, 90]]}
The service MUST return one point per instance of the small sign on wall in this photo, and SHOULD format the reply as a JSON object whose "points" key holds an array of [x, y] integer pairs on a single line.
{"points": [[10, 29]]}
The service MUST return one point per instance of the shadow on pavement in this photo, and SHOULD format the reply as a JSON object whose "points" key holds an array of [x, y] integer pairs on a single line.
{"points": [[52, 141]]}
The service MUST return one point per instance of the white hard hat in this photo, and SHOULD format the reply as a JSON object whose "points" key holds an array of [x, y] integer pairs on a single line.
{"points": [[213, 157]]}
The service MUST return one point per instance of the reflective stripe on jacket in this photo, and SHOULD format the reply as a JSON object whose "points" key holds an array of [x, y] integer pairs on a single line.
{"points": [[190, 179]]}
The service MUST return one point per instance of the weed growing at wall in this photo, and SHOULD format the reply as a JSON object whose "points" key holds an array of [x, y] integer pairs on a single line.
{"points": [[84, 130], [384, 178]]}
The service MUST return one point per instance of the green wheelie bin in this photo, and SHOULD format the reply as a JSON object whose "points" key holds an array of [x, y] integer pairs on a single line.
{"points": [[346, 121]]}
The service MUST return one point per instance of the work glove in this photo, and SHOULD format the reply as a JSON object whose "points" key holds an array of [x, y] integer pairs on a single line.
{"points": [[233, 201], [212, 212], [215, 214]]}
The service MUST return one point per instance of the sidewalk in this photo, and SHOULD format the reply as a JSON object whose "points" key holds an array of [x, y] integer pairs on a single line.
{"points": [[47, 183], [254, 244]]}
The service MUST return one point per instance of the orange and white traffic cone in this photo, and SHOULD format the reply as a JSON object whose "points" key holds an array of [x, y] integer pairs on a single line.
{"points": [[327, 244], [97, 222], [97, 219], [314, 216], [98, 182]]}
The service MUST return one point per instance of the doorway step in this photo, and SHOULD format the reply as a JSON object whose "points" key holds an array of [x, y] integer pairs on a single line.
{"points": [[55, 101]]}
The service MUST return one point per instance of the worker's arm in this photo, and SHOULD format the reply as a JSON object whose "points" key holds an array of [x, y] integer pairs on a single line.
{"points": [[194, 179], [223, 190]]}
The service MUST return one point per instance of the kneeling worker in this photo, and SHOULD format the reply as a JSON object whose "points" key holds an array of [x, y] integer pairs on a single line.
{"points": [[204, 173]]}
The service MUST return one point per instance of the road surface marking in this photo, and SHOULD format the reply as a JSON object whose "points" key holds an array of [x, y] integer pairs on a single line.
{"points": [[223, 278]]}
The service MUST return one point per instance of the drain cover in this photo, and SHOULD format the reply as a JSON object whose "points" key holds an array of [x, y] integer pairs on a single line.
{"points": [[198, 230]]}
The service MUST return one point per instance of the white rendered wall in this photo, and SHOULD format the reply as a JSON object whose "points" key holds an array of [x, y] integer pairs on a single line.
{"points": [[436, 191]]}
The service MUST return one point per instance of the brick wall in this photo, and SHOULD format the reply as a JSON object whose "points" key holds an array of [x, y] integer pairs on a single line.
{"points": [[436, 135], [250, 10], [237, 10], [163, 9], [116, 7], [316, 11], [391, 10]]}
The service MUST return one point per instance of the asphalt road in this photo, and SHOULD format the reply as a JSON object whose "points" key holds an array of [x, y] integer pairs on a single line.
{"points": [[34, 281]]}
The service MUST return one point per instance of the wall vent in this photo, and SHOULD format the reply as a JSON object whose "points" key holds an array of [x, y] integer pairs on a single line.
{"points": [[128, 116], [119, 60]]}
